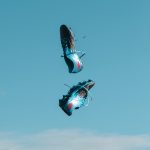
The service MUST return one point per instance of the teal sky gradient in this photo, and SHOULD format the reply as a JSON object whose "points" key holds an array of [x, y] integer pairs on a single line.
{"points": [[32, 73]]}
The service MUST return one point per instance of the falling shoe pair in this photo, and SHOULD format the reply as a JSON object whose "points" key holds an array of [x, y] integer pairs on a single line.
{"points": [[78, 95]]}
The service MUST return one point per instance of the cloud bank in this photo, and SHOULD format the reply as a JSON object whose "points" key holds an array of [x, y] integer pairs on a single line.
{"points": [[72, 139]]}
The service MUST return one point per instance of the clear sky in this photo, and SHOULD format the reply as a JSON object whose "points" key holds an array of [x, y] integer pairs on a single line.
{"points": [[32, 73]]}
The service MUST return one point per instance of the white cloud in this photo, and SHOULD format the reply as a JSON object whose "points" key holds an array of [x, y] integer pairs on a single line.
{"points": [[73, 139]]}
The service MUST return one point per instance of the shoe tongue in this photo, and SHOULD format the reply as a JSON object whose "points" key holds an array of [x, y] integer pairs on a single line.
{"points": [[82, 94]]}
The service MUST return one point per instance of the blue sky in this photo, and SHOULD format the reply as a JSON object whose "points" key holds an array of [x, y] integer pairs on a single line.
{"points": [[32, 73]]}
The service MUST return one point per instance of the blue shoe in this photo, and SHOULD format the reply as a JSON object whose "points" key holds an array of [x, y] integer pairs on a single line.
{"points": [[77, 97], [72, 59]]}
